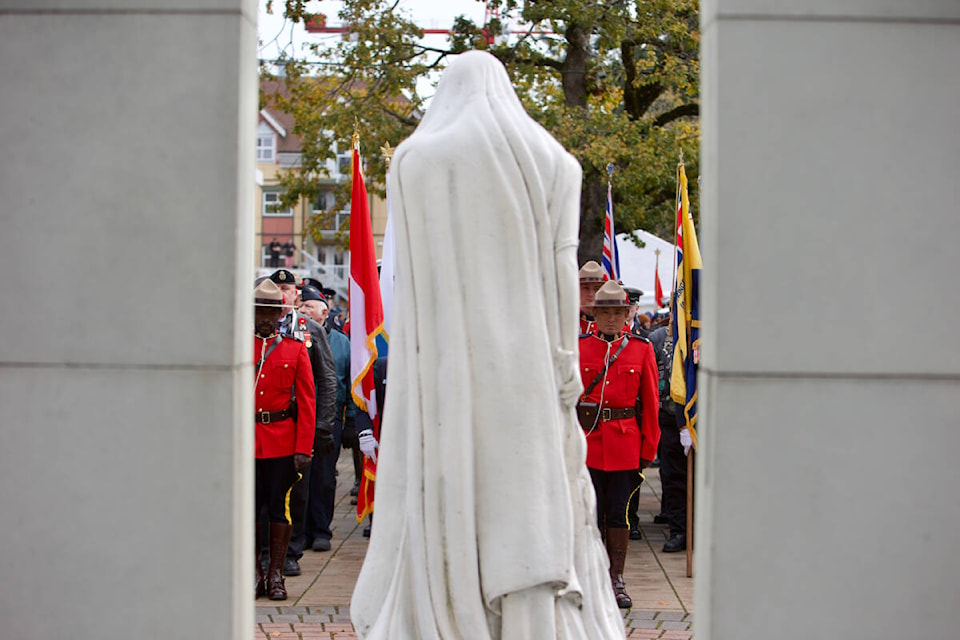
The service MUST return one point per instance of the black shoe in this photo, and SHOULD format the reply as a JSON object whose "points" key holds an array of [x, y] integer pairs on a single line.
{"points": [[677, 542], [635, 534], [321, 544], [356, 490], [291, 567], [366, 531], [659, 519]]}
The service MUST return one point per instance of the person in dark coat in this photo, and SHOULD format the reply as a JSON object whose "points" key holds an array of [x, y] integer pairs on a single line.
{"points": [[323, 476], [321, 360]]}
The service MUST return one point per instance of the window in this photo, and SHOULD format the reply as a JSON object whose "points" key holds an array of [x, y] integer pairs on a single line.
{"points": [[271, 205], [345, 164], [266, 147], [324, 202], [335, 220]]}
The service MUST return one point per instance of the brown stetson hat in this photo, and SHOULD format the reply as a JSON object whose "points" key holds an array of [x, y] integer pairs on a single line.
{"points": [[611, 294], [591, 272], [268, 294]]}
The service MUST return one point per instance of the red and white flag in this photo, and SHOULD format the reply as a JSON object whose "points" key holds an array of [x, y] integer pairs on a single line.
{"points": [[366, 306], [657, 287], [366, 319]]}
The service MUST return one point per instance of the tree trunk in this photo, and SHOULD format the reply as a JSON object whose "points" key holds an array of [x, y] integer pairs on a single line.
{"points": [[574, 68], [592, 195], [593, 202]]}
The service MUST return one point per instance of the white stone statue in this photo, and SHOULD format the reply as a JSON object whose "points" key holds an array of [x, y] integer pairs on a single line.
{"points": [[485, 521]]}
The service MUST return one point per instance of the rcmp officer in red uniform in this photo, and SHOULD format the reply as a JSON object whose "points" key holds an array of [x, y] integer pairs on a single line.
{"points": [[591, 278], [618, 412], [285, 422]]}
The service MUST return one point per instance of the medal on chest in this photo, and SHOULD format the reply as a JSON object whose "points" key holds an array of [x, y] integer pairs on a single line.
{"points": [[302, 333]]}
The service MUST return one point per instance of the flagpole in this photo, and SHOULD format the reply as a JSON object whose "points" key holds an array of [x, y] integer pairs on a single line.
{"points": [[614, 261], [387, 253], [676, 230], [689, 523]]}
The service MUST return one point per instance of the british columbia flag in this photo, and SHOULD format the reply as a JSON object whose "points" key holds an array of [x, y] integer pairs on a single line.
{"points": [[611, 257]]}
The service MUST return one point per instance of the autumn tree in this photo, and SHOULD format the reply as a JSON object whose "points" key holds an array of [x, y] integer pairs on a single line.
{"points": [[614, 81]]}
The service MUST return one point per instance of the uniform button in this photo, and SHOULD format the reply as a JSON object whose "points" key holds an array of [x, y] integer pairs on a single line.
{"points": [[261, 393], [263, 375], [631, 370], [284, 366], [607, 382]]}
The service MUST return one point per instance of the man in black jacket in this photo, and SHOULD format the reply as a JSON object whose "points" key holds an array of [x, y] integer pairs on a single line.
{"points": [[323, 469]]}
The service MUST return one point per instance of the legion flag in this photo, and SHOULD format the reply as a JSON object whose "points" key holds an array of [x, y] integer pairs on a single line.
{"points": [[686, 310], [611, 257]]}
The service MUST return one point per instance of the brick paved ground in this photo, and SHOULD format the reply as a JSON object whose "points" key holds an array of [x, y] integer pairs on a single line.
{"points": [[319, 602]]}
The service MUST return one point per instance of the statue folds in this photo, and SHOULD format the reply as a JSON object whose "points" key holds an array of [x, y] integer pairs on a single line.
{"points": [[485, 515]]}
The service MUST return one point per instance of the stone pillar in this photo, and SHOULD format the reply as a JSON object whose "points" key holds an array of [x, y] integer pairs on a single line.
{"points": [[127, 136], [831, 358]]}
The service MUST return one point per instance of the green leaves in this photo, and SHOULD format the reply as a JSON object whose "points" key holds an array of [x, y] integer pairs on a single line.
{"points": [[613, 80]]}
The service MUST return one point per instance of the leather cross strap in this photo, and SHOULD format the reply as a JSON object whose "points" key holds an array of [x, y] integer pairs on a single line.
{"points": [[603, 372]]}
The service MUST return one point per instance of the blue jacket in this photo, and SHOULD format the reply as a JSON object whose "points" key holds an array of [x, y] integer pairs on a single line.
{"points": [[340, 346]]}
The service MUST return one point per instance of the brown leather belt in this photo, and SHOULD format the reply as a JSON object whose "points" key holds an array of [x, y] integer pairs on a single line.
{"points": [[607, 414], [266, 417]]}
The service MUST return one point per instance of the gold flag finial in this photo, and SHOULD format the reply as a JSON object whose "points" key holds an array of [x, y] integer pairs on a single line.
{"points": [[681, 156], [387, 151], [356, 132]]}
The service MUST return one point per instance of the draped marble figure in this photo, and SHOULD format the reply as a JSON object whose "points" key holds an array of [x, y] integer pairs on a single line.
{"points": [[485, 515]]}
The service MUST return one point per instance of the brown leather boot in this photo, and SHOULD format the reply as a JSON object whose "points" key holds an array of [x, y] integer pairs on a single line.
{"points": [[279, 539], [617, 542], [261, 577]]}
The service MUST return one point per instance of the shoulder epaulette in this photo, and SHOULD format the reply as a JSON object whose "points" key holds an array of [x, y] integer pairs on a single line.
{"points": [[584, 335], [636, 337]]}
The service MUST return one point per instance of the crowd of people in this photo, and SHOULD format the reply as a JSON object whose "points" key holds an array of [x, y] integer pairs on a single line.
{"points": [[305, 415]]}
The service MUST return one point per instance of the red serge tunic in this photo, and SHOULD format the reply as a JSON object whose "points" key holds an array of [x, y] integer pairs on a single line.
{"points": [[287, 367], [586, 324], [619, 444]]}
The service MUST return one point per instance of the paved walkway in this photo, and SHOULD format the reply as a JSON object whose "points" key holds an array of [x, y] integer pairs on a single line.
{"points": [[319, 602]]}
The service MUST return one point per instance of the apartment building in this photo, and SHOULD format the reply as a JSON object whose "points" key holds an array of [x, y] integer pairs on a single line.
{"points": [[282, 239]]}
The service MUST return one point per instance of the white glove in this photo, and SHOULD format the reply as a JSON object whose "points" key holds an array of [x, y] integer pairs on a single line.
{"points": [[685, 440], [567, 368], [368, 444]]}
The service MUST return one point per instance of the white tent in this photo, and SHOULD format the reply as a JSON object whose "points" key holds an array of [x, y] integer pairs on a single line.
{"points": [[637, 265]]}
